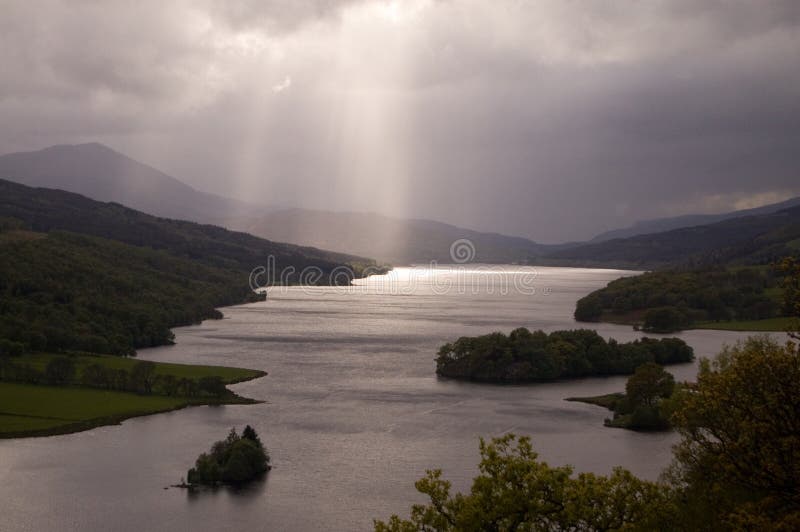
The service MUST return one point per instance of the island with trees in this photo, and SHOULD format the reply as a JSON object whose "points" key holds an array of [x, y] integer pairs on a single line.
{"points": [[650, 398], [235, 460], [525, 356]]}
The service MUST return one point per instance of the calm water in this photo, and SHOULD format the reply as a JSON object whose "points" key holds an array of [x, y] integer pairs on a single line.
{"points": [[354, 414]]}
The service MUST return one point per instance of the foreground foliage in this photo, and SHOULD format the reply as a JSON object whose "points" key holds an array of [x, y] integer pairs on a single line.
{"points": [[737, 466], [525, 356], [517, 491], [234, 460]]}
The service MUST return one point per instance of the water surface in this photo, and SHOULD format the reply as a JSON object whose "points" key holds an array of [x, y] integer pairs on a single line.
{"points": [[353, 415]]}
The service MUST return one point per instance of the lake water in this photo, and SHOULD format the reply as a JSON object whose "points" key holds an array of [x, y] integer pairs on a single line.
{"points": [[353, 415]]}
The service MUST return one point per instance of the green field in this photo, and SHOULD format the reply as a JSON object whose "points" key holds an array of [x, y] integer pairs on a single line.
{"points": [[36, 410], [28, 410], [229, 375]]}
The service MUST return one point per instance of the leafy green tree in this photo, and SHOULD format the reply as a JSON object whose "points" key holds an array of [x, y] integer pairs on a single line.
{"points": [[95, 376], [234, 460], [9, 348], [665, 320], [212, 385], [143, 377], [649, 384], [738, 464], [60, 371], [790, 266], [516, 491]]}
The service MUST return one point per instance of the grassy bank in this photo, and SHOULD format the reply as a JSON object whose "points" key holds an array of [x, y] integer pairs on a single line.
{"points": [[28, 410], [190, 371], [767, 325], [770, 325]]}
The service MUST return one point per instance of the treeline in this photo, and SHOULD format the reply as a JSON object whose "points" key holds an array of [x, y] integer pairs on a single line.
{"points": [[525, 356], [667, 301], [64, 291], [141, 379]]}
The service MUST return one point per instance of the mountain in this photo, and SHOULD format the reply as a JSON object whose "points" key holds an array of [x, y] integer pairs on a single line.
{"points": [[393, 240], [98, 172], [756, 239], [659, 225], [45, 210]]}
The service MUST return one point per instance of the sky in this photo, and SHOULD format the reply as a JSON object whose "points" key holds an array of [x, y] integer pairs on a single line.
{"points": [[554, 120]]}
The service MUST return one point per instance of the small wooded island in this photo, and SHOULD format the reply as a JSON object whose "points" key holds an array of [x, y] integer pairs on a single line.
{"points": [[651, 396], [234, 460], [525, 356]]}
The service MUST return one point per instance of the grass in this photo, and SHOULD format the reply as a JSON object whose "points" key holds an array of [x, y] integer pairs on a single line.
{"points": [[30, 410], [229, 375], [34, 410], [606, 401], [769, 325]]}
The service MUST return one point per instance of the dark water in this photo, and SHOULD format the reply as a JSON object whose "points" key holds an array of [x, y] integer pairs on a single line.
{"points": [[354, 413]]}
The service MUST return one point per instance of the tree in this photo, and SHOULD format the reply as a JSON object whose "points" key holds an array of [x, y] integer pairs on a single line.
{"points": [[95, 376], [235, 459], [516, 491], [60, 371], [212, 385], [790, 266], [648, 384], [738, 464], [142, 377], [664, 320]]}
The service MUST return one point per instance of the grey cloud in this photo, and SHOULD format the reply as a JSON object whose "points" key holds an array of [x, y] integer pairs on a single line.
{"points": [[553, 120]]}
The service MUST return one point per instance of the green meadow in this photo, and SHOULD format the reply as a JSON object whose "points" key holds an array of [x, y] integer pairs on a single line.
{"points": [[40, 410]]}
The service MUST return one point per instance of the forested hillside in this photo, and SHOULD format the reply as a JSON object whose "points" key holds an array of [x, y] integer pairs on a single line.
{"points": [[666, 301], [76, 274], [44, 210]]}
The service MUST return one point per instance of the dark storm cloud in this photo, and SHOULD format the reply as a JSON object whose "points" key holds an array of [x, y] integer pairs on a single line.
{"points": [[554, 120]]}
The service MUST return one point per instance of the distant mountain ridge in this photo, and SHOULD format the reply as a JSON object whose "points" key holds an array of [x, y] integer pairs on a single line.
{"points": [[101, 173], [394, 240], [755, 239], [660, 225]]}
